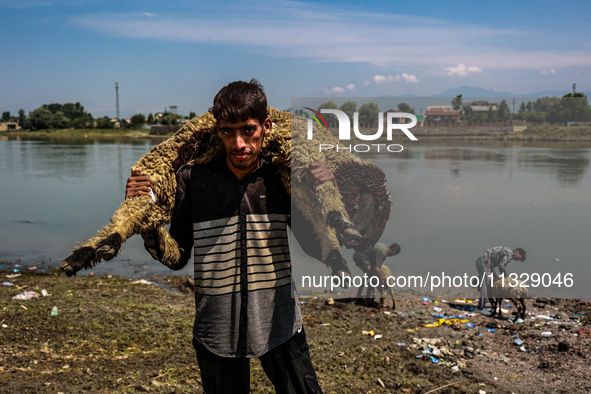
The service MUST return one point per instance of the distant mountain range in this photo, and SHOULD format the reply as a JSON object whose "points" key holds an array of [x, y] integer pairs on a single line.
{"points": [[470, 91]]}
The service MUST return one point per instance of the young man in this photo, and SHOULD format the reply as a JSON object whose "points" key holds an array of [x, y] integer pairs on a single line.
{"points": [[496, 257], [234, 213]]}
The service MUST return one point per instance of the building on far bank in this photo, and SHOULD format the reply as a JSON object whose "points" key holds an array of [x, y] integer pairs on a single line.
{"points": [[480, 106], [442, 114], [9, 126]]}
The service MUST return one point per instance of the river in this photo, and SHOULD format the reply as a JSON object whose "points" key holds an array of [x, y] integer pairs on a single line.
{"points": [[451, 201]]}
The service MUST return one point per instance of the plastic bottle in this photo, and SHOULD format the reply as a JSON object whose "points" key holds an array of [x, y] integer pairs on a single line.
{"points": [[54, 311]]}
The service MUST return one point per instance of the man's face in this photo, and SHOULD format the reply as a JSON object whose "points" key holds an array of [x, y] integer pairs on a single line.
{"points": [[517, 256], [243, 142]]}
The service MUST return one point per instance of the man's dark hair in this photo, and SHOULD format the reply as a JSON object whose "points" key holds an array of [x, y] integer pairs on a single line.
{"points": [[521, 252], [394, 248], [239, 101]]}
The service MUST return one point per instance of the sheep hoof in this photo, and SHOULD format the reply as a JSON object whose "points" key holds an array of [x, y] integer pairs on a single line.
{"points": [[347, 233], [338, 266], [81, 258], [109, 247]]}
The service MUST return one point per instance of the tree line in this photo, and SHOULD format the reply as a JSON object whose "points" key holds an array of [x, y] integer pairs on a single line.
{"points": [[73, 115], [572, 107]]}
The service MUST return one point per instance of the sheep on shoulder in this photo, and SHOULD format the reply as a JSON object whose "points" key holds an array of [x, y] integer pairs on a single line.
{"points": [[321, 207], [507, 287]]}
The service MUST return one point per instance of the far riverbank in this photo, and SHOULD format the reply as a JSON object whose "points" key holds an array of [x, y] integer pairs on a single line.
{"points": [[544, 132]]}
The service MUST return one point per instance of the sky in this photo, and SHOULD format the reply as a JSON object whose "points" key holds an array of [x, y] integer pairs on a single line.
{"points": [[180, 53]]}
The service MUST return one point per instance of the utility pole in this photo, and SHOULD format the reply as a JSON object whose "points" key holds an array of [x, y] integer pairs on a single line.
{"points": [[117, 98]]}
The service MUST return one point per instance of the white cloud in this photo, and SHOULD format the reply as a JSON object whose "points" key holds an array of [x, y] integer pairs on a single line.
{"points": [[410, 78], [546, 72], [336, 89], [461, 70], [385, 79], [350, 86], [148, 14]]}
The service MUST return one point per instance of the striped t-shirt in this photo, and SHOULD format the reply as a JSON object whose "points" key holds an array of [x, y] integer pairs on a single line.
{"points": [[245, 304]]}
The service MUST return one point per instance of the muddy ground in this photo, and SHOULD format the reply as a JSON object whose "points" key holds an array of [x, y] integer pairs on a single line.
{"points": [[113, 334]]}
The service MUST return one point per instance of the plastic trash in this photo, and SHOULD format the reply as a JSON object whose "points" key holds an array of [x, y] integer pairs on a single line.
{"points": [[455, 368], [546, 333], [518, 342], [6, 284], [45, 293], [377, 336], [470, 325], [544, 317], [54, 311], [27, 295], [437, 309]]}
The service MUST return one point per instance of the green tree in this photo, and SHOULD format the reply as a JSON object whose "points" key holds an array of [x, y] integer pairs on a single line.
{"points": [[85, 121], [59, 121], [73, 110], [23, 121], [368, 114], [104, 123], [571, 108], [327, 105], [522, 107], [5, 116], [349, 107], [170, 119], [192, 115], [404, 107], [138, 120], [53, 108], [529, 107], [503, 113], [150, 118], [40, 118], [456, 103], [331, 119], [543, 104], [491, 114]]}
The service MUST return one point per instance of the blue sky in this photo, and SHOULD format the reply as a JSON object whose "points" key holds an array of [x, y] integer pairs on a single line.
{"points": [[181, 52]]}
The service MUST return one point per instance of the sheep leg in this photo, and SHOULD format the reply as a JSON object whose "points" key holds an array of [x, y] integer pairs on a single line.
{"points": [[109, 247], [80, 258]]}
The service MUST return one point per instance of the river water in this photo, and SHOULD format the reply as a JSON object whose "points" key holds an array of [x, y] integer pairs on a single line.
{"points": [[451, 201]]}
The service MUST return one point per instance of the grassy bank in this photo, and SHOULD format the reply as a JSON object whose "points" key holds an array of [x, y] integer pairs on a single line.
{"points": [[84, 133], [557, 133]]}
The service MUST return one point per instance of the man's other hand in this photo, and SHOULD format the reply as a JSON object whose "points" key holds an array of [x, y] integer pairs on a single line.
{"points": [[319, 173], [138, 185]]}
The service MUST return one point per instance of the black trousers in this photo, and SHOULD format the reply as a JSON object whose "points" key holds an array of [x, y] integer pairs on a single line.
{"points": [[288, 366]]}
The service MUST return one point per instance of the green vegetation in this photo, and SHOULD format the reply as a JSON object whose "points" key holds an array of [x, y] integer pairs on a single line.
{"points": [[73, 116]]}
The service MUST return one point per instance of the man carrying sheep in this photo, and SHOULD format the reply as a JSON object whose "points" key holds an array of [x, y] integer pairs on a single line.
{"points": [[496, 257], [234, 213]]}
